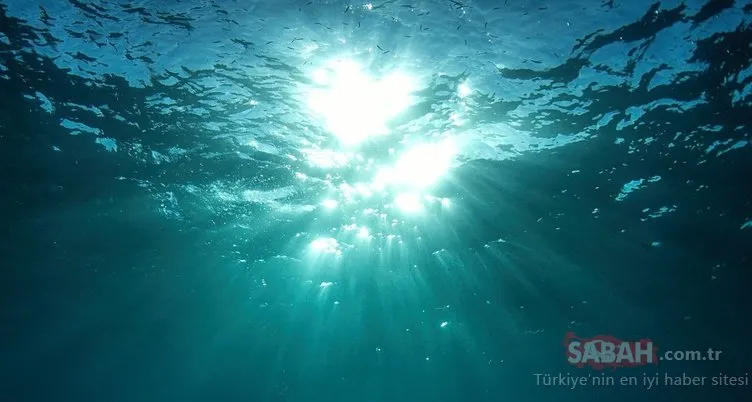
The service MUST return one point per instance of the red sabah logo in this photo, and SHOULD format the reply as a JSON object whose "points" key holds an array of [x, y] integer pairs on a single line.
{"points": [[604, 351]]}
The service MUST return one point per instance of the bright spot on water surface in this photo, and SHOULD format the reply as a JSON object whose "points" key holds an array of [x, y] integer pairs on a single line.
{"points": [[464, 90], [355, 106], [409, 202], [330, 204], [325, 245], [420, 167], [364, 233]]}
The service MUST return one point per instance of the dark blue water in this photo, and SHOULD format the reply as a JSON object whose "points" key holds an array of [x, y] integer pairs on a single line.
{"points": [[397, 201]]}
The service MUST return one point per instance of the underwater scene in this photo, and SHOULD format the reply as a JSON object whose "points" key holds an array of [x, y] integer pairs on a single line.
{"points": [[397, 200]]}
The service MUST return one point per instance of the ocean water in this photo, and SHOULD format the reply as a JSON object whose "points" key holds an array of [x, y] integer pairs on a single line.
{"points": [[392, 201]]}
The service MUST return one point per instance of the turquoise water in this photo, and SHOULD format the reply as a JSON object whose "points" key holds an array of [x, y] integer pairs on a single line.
{"points": [[324, 200]]}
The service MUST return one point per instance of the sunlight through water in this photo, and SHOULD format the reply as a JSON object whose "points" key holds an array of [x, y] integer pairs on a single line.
{"points": [[355, 106]]}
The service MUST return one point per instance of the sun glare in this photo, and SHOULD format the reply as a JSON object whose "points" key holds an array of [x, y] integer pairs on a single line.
{"points": [[355, 106], [419, 167], [375, 194]]}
